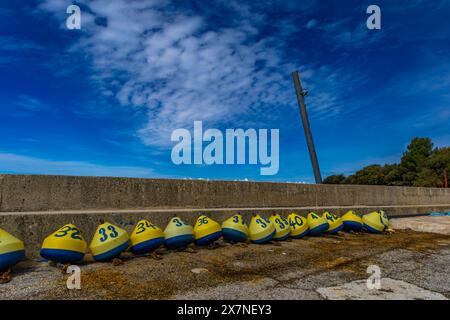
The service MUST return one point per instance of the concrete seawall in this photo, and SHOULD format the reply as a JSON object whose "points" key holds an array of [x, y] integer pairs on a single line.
{"points": [[32, 206]]}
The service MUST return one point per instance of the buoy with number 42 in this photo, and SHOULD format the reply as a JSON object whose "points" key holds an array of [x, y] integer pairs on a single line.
{"points": [[235, 229], [335, 223], [352, 221], [299, 226], [65, 245], [178, 234], [145, 237], [206, 231], [12, 250], [108, 242], [261, 230], [282, 228], [317, 224]]}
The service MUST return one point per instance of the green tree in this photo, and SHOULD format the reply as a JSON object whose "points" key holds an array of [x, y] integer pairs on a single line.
{"points": [[414, 159], [334, 179]]}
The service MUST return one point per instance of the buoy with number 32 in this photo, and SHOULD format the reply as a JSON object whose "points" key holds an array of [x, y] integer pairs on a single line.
{"points": [[334, 223], [352, 221], [206, 231], [178, 234], [235, 229], [282, 228], [145, 237], [12, 250], [317, 224], [108, 242], [261, 230], [65, 245], [299, 226]]}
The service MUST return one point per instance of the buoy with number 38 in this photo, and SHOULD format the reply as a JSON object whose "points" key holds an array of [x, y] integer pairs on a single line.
{"points": [[12, 250], [282, 228], [108, 242], [206, 231], [334, 223], [317, 224], [145, 237], [178, 234], [65, 245], [299, 226], [352, 221], [261, 230], [235, 229]]}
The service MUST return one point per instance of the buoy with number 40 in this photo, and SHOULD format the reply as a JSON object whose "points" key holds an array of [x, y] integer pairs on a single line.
{"points": [[108, 242], [65, 245], [12, 250], [235, 229], [145, 237], [299, 226]]}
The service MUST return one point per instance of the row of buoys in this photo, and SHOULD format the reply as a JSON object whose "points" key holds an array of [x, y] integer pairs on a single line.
{"points": [[67, 245]]}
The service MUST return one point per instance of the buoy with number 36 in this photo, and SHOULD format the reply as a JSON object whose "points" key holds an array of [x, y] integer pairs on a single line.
{"points": [[145, 237], [206, 231], [235, 229], [178, 234], [65, 245], [12, 250], [261, 230], [108, 242]]}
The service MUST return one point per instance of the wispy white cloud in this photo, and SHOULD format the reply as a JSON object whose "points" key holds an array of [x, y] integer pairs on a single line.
{"points": [[15, 163]]}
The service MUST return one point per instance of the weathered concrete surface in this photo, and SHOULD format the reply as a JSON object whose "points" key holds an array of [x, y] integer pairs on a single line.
{"points": [[424, 224], [52, 193], [294, 270]]}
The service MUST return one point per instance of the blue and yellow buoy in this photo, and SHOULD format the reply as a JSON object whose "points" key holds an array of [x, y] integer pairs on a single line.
{"points": [[317, 224], [235, 229], [12, 250], [282, 228], [352, 221], [374, 222], [145, 237], [206, 231], [178, 234], [385, 219], [108, 242], [335, 223], [65, 245], [261, 230], [299, 226]]}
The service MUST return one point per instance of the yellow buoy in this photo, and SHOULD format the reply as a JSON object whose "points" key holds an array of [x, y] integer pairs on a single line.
{"points": [[145, 237], [261, 230], [317, 224], [334, 223], [373, 222], [352, 221], [282, 229], [206, 231], [299, 226], [12, 250], [385, 219], [178, 234], [65, 245], [108, 242], [235, 229]]}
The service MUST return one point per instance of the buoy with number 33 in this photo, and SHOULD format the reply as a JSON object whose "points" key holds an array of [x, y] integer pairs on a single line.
{"points": [[108, 242]]}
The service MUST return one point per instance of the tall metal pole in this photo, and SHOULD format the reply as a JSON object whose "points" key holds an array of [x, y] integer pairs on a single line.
{"points": [[309, 140]]}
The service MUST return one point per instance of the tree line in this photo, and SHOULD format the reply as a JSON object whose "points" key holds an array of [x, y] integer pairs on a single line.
{"points": [[421, 165]]}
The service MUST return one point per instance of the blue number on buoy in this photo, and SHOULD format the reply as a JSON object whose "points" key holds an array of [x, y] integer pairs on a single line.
{"points": [[76, 234], [261, 222], [280, 223], [203, 221], [141, 227]]}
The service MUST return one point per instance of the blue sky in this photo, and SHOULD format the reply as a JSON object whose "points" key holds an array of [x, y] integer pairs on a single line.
{"points": [[104, 100]]}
